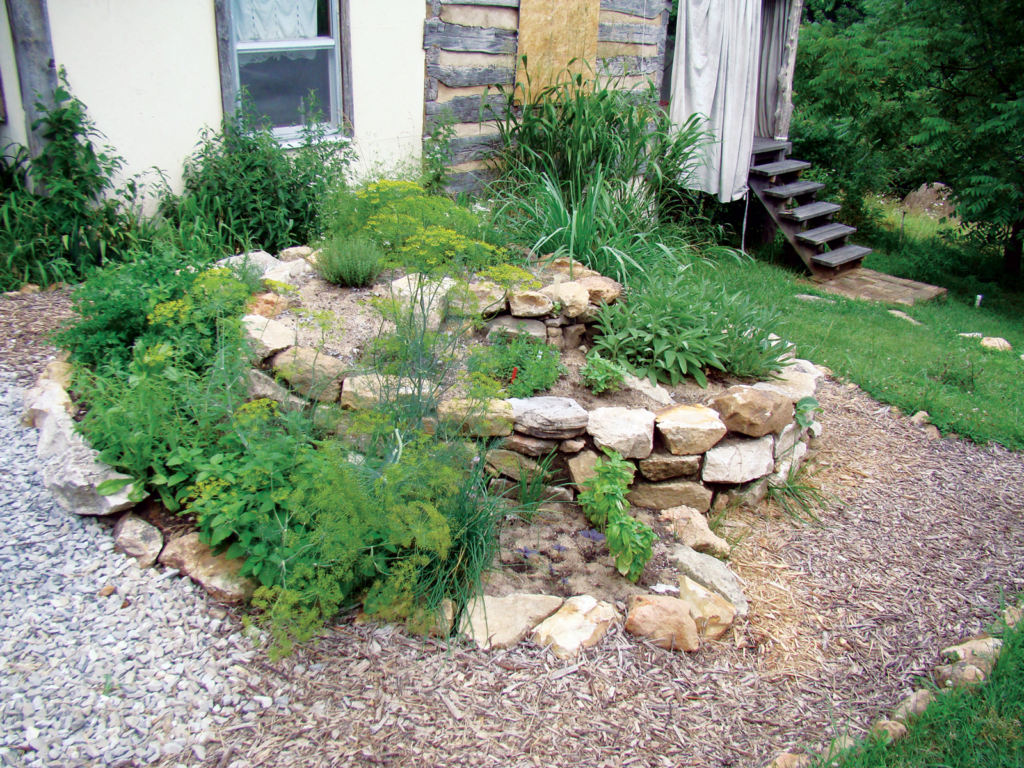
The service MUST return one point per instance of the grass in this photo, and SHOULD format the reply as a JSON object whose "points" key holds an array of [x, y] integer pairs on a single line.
{"points": [[966, 389], [981, 728]]}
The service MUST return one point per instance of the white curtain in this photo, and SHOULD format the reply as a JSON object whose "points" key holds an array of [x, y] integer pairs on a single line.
{"points": [[774, 24], [262, 20], [715, 75]]}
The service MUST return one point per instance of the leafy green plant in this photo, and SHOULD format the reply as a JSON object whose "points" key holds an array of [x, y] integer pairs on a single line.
{"points": [[248, 273], [602, 375], [522, 365], [603, 500], [437, 154], [806, 411], [242, 181], [61, 211], [354, 262]]}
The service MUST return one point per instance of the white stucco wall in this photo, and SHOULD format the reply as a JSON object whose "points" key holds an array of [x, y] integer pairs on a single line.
{"points": [[387, 81], [14, 129], [148, 72]]}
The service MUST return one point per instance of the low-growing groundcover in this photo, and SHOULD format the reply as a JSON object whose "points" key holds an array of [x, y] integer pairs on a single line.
{"points": [[964, 728]]}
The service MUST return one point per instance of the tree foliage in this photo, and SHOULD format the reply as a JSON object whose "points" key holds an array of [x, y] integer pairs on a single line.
{"points": [[925, 90]]}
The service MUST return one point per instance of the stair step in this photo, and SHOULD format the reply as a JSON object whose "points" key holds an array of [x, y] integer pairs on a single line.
{"points": [[810, 211], [825, 234], [797, 188], [840, 256], [781, 167], [770, 145]]}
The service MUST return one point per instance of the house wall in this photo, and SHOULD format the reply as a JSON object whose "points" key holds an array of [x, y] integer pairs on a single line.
{"points": [[147, 71], [14, 130], [387, 81]]}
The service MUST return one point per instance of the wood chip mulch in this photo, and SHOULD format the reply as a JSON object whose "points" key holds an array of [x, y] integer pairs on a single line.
{"points": [[26, 322], [911, 555]]}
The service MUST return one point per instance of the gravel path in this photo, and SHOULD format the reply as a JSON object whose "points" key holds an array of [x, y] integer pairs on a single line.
{"points": [[87, 680]]}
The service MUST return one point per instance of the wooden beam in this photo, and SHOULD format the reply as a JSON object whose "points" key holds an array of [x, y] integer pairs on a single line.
{"points": [[648, 9], [499, 3], [468, 148], [33, 53], [466, 109], [347, 102], [630, 65], [455, 37], [226, 58], [784, 104], [465, 77], [645, 34]]}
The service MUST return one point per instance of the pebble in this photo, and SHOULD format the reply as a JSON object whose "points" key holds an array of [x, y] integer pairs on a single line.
{"points": [[91, 680]]}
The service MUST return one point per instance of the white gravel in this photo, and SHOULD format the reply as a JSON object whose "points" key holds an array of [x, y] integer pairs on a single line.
{"points": [[149, 671]]}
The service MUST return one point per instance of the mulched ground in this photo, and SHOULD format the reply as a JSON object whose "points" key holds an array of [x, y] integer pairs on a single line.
{"points": [[26, 322], [913, 553]]}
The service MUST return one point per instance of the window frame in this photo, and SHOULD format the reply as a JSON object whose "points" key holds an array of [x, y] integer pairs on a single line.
{"points": [[340, 119]]}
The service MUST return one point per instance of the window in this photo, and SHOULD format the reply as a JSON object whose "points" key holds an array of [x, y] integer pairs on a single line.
{"points": [[280, 52]]}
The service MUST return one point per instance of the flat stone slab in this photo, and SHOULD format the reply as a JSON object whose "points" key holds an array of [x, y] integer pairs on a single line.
{"points": [[689, 429], [627, 431], [739, 460], [550, 418], [796, 381], [670, 493], [712, 574], [505, 325], [582, 622], [501, 622], [665, 466], [215, 573]]}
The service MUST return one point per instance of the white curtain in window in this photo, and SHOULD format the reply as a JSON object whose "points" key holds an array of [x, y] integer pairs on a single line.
{"points": [[718, 53], [262, 20]]}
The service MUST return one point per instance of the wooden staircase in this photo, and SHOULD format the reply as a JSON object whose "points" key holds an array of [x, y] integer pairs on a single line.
{"points": [[807, 224]]}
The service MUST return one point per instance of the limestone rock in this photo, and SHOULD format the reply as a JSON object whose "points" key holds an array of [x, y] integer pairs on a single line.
{"points": [[360, 393], [712, 613], [555, 339], [913, 706], [997, 343], [419, 297], [590, 314], [136, 538], [572, 297], [627, 431], [890, 729], [44, 398], [712, 574], [572, 446], [655, 392], [747, 495], [572, 336], [59, 371], [269, 337], [960, 675], [288, 272], [73, 476], [263, 386], [569, 267], [215, 573], [904, 316], [259, 259], [511, 464], [310, 373], [689, 429], [753, 412], [529, 304], [56, 434], [670, 493], [530, 446], [786, 439], [581, 622], [552, 418], [602, 290], [1013, 615], [796, 381], [268, 305], [739, 460], [789, 759], [489, 418], [501, 622], [482, 299], [582, 467], [691, 528], [664, 466], [506, 325], [788, 466], [295, 252], [664, 621]]}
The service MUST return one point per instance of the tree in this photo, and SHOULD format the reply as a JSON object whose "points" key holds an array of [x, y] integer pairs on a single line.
{"points": [[933, 90]]}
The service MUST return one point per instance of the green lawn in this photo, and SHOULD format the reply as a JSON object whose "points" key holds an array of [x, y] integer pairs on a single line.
{"points": [[974, 392]]}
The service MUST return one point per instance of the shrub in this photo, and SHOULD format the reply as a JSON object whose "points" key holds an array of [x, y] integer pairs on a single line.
{"points": [[242, 180], [354, 262], [61, 212], [520, 364]]}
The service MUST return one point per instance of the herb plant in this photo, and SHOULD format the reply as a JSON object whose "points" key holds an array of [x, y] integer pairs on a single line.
{"points": [[520, 364], [602, 375], [354, 262]]}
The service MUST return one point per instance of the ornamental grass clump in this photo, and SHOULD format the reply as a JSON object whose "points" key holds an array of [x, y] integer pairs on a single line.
{"points": [[351, 262]]}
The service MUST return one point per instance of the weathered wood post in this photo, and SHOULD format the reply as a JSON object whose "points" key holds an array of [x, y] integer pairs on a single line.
{"points": [[37, 71]]}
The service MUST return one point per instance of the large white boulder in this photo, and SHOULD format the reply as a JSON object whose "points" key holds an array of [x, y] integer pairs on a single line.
{"points": [[73, 477], [739, 460], [627, 431]]}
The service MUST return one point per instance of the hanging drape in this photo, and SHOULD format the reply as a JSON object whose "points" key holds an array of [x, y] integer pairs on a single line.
{"points": [[261, 20], [716, 75], [774, 23]]}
